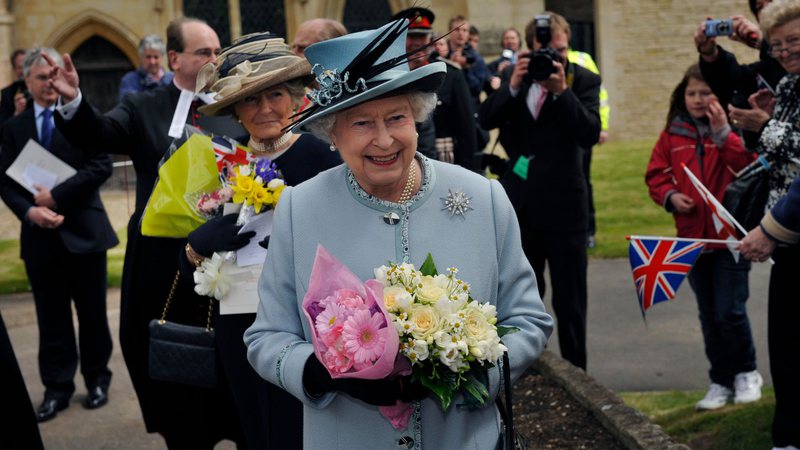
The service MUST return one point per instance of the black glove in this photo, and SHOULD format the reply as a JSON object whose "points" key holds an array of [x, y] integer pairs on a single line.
{"points": [[317, 381], [219, 235], [264, 243]]}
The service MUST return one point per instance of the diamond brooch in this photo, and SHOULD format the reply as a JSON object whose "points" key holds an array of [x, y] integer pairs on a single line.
{"points": [[457, 203]]}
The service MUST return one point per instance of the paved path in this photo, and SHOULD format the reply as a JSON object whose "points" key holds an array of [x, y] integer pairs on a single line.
{"points": [[624, 355]]}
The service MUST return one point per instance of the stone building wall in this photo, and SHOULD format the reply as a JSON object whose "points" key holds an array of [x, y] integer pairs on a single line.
{"points": [[644, 47]]}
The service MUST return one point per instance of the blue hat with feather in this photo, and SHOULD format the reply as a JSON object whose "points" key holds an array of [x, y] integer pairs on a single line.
{"points": [[363, 66]]}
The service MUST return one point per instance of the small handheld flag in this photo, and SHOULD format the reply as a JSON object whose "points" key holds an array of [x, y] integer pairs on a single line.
{"points": [[659, 266], [724, 222]]}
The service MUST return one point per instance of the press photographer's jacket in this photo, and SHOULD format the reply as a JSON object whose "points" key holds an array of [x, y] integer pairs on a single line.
{"points": [[553, 198]]}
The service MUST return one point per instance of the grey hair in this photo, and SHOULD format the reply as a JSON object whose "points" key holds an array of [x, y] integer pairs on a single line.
{"points": [[778, 13], [422, 104], [34, 57], [152, 42], [297, 90]]}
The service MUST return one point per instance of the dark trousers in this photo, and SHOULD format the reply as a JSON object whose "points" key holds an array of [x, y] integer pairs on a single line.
{"points": [[784, 334], [19, 428], [587, 167], [721, 287], [565, 255], [270, 417], [57, 279]]}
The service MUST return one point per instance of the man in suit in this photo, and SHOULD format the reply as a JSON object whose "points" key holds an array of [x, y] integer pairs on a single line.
{"points": [[64, 238], [547, 123], [143, 127]]}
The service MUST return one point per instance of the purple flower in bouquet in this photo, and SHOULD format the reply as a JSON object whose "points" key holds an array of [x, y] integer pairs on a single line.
{"points": [[266, 169]]}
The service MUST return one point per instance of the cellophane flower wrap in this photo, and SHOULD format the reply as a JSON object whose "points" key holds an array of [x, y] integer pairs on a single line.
{"points": [[450, 339], [351, 330], [254, 183]]}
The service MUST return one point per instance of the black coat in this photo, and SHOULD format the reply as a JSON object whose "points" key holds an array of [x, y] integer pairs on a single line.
{"points": [[270, 417], [553, 198], [7, 101], [86, 228], [138, 127], [733, 83], [454, 117]]}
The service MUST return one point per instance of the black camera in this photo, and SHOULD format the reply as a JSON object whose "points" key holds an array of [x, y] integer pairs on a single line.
{"points": [[540, 66]]}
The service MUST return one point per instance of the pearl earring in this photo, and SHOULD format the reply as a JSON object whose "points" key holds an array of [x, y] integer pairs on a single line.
{"points": [[417, 134], [332, 148]]}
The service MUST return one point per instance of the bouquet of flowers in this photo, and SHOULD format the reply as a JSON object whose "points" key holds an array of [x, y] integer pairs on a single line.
{"points": [[450, 339], [351, 330]]}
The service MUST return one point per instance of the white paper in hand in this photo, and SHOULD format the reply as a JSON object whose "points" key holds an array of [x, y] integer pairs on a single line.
{"points": [[252, 253], [35, 164]]}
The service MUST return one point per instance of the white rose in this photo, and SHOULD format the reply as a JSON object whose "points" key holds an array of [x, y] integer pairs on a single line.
{"points": [[476, 325], [429, 292], [396, 298], [426, 321]]}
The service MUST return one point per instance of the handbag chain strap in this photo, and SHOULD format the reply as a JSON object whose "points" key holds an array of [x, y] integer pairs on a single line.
{"points": [[172, 294]]}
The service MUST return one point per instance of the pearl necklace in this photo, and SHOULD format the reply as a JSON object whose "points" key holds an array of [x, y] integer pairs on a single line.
{"points": [[269, 147], [405, 195]]}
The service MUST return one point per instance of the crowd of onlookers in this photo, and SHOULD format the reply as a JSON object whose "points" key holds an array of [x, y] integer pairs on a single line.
{"points": [[550, 108]]}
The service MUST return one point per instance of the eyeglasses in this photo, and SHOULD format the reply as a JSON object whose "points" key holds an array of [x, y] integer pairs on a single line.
{"points": [[791, 45], [205, 52]]}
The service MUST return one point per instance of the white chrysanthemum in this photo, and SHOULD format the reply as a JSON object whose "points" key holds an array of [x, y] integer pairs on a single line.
{"points": [[416, 350], [209, 278], [397, 298]]}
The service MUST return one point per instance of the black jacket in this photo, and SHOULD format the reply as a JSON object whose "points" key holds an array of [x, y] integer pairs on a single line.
{"points": [[553, 198], [733, 83], [86, 228]]}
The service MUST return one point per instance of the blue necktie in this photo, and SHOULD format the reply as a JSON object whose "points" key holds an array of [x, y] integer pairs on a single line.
{"points": [[47, 128]]}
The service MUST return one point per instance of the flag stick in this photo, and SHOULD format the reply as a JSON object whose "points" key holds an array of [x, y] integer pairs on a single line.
{"points": [[707, 241]]}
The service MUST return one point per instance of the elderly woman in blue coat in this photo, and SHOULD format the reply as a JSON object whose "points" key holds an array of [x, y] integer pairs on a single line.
{"points": [[387, 203]]}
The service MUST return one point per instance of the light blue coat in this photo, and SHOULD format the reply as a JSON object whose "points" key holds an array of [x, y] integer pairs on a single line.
{"points": [[484, 243]]}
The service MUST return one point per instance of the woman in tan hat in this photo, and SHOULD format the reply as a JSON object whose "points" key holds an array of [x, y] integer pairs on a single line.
{"points": [[261, 83]]}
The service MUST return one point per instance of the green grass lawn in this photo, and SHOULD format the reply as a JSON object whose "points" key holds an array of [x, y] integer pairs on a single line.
{"points": [[623, 206], [733, 427], [12, 270]]}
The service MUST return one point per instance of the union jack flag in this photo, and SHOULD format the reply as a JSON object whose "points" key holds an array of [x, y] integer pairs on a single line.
{"points": [[228, 151], [659, 267]]}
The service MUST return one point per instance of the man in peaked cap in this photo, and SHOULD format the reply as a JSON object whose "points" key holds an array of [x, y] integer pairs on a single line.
{"points": [[453, 116]]}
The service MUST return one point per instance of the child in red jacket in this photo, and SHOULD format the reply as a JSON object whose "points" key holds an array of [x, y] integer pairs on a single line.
{"points": [[697, 134]]}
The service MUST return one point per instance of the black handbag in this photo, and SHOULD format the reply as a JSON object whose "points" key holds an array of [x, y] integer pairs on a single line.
{"points": [[746, 196], [510, 439], [180, 353]]}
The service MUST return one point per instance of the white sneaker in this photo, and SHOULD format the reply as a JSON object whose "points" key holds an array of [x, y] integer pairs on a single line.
{"points": [[748, 387], [716, 397]]}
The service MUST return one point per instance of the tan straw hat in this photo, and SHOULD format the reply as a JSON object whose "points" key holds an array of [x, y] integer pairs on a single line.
{"points": [[251, 64]]}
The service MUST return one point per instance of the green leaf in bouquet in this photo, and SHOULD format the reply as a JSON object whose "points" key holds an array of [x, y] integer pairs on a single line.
{"points": [[442, 390], [428, 268], [475, 383], [503, 330]]}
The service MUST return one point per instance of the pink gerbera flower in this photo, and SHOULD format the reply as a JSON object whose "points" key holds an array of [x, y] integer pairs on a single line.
{"points": [[335, 361], [363, 337], [329, 322]]}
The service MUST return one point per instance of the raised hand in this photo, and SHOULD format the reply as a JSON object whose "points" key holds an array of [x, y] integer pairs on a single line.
{"points": [[716, 116], [63, 80]]}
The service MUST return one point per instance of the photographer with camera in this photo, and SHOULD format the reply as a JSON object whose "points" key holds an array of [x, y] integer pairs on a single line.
{"points": [[511, 43], [15, 97], [548, 109], [733, 83]]}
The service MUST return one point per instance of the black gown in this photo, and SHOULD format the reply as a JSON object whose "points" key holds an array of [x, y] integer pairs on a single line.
{"points": [[187, 417], [271, 418]]}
